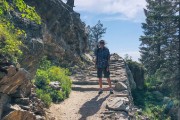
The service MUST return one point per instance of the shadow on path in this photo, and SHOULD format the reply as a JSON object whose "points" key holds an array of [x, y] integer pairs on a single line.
{"points": [[91, 107]]}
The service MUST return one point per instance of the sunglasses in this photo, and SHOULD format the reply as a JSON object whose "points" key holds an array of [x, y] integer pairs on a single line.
{"points": [[101, 42]]}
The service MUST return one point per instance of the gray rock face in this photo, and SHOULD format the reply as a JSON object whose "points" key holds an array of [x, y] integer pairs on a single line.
{"points": [[61, 33], [136, 73], [23, 101]]}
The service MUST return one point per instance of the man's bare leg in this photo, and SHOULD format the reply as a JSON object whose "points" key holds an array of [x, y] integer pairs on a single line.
{"points": [[100, 86], [110, 86], [100, 83], [109, 82]]}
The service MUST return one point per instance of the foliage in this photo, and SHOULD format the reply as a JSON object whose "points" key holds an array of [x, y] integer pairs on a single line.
{"points": [[9, 35], [152, 100], [45, 97], [151, 106], [156, 39], [56, 95], [160, 45], [127, 58], [26, 11], [151, 82], [95, 33], [9, 41], [44, 63], [42, 79], [47, 73], [4, 7]]}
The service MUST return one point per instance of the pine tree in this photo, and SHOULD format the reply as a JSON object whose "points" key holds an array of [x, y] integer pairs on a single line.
{"points": [[177, 44], [95, 34], [151, 41], [160, 44], [158, 30]]}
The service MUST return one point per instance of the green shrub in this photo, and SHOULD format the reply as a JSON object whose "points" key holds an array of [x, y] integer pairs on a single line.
{"points": [[44, 63], [150, 104], [61, 75], [57, 96], [47, 73], [45, 97], [42, 79]]}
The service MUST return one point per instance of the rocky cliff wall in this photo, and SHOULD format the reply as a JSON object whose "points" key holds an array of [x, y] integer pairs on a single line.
{"points": [[61, 36]]}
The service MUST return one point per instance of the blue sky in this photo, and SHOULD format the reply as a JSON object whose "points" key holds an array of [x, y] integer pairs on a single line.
{"points": [[122, 18]]}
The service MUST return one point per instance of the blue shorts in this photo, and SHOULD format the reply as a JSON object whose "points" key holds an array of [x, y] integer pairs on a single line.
{"points": [[101, 71]]}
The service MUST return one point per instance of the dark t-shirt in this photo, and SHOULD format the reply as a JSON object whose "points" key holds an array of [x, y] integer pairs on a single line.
{"points": [[102, 57]]}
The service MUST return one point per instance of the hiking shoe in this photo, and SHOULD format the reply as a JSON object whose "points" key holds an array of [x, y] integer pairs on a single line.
{"points": [[100, 91], [111, 91]]}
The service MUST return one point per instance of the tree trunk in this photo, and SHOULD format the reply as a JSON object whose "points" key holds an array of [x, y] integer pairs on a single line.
{"points": [[159, 40], [179, 48]]}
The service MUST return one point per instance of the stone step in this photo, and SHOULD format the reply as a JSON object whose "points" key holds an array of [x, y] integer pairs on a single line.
{"points": [[113, 80], [111, 70], [116, 64], [89, 82], [80, 79], [112, 74], [93, 72], [89, 87], [92, 75], [115, 61], [80, 76]]}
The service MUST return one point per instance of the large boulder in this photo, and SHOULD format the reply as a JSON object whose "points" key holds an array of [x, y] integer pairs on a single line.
{"points": [[16, 83], [17, 99], [20, 115], [136, 72], [120, 86], [118, 104], [130, 78]]}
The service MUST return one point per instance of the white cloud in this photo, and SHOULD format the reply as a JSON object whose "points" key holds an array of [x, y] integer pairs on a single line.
{"points": [[122, 9]]}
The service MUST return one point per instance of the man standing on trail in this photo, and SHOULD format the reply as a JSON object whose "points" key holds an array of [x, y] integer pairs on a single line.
{"points": [[102, 65]]}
